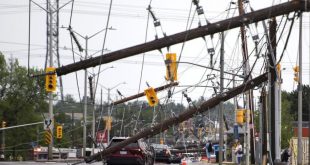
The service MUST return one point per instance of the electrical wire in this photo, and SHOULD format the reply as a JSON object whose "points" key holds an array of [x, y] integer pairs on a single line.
{"points": [[143, 56], [103, 45], [29, 39], [287, 39]]}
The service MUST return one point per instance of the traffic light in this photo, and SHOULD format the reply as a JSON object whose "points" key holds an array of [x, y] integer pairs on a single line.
{"points": [[279, 68], [3, 124], [108, 123], [296, 72], [240, 116], [50, 79], [59, 132], [199, 132], [161, 141], [48, 136], [245, 116], [171, 65], [151, 96]]}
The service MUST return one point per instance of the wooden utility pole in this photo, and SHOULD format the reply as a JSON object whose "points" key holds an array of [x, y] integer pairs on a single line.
{"points": [[264, 127], [92, 98], [221, 107], [272, 69], [188, 35], [249, 138]]}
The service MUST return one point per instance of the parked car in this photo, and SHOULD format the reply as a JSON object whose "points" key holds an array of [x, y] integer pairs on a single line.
{"points": [[163, 154], [137, 153]]}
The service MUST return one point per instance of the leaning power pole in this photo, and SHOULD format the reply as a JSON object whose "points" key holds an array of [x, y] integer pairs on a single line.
{"points": [[221, 113], [274, 92], [248, 98], [52, 50]]}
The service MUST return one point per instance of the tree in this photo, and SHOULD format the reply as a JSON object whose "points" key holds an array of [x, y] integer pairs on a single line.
{"points": [[293, 107], [21, 101], [286, 120]]}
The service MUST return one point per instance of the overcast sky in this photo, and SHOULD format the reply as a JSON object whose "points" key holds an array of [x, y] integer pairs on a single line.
{"points": [[129, 18]]}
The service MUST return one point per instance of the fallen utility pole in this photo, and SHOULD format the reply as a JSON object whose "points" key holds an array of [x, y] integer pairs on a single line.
{"points": [[166, 124], [143, 94], [224, 25]]}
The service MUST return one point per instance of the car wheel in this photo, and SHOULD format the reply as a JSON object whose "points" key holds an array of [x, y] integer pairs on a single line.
{"points": [[148, 161], [152, 160]]}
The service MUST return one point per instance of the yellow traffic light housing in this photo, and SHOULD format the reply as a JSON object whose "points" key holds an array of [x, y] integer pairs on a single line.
{"points": [[296, 72], [151, 96], [171, 65], [245, 116], [161, 141], [108, 123], [50, 79], [59, 132], [3, 124], [199, 132], [240, 116], [278, 68], [48, 136]]}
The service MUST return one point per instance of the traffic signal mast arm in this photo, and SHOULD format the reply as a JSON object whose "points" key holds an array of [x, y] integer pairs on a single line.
{"points": [[209, 29], [22, 125], [143, 94], [166, 124]]}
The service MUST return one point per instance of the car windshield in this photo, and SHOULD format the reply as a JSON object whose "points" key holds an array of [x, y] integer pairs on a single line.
{"points": [[116, 141], [160, 146]]}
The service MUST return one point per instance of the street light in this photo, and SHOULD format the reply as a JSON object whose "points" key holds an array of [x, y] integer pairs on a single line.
{"points": [[109, 89], [93, 75], [86, 38], [93, 101], [109, 98]]}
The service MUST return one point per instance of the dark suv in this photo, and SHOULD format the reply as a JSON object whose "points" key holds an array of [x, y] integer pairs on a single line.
{"points": [[163, 154], [137, 153]]}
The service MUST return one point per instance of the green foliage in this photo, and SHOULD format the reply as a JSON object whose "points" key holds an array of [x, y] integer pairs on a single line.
{"points": [[286, 119], [293, 107], [21, 101]]}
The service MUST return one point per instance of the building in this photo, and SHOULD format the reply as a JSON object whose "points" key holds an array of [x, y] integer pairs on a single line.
{"points": [[305, 129]]}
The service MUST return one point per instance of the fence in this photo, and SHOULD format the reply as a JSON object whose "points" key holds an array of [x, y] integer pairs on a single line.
{"points": [[294, 148]]}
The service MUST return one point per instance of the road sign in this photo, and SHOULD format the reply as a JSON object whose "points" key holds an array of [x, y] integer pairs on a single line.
{"points": [[101, 136], [59, 132], [47, 124], [48, 136]]}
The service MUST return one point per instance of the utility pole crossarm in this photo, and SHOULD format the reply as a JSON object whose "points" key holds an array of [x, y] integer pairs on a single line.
{"points": [[234, 22], [166, 124], [143, 94]]}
